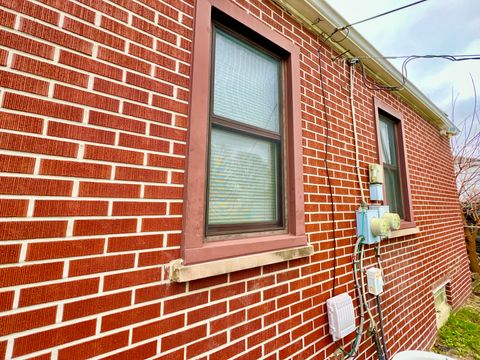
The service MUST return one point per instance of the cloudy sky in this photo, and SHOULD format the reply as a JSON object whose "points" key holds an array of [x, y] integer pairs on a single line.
{"points": [[432, 27]]}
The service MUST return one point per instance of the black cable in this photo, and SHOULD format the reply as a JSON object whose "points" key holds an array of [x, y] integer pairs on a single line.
{"points": [[380, 317], [328, 174], [374, 86]]}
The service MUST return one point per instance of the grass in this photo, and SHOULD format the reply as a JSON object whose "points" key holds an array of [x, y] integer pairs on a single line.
{"points": [[460, 336]]}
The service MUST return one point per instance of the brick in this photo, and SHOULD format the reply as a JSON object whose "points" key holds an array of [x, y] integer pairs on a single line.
{"points": [[173, 51], [123, 61], [74, 169], [31, 9], [129, 317], [228, 352], [139, 352], [71, 8], [143, 175], [100, 264], [42, 107], [252, 355], [54, 337], [37, 145], [95, 347], [6, 18], [3, 57], [25, 186], [172, 77], [157, 257], [227, 291], [64, 249], [245, 329], [183, 337], [21, 123], [80, 133], [157, 328], [27, 45], [227, 321], [260, 310], [85, 98], [107, 9], [27, 320], [116, 122], [138, 242], [93, 33], [175, 355], [276, 343], [115, 155], [29, 274], [126, 92], [166, 161], [176, 209], [206, 312], [97, 227], [170, 104], [89, 65], [9, 254], [133, 278], [23, 83], [149, 83], [139, 208], [161, 224], [13, 208], [6, 300], [126, 31], [151, 56], [168, 132], [208, 344], [262, 336], [56, 36], [136, 8], [16, 164], [207, 282], [163, 192], [147, 113], [145, 143], [19, 230], [60, 291], [158, 292], [184, 302], [96, 305], [96, 189], [46, 208]]}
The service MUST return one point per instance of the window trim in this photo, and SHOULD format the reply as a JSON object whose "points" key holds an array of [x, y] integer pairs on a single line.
{"points": [[195, 248], [381, 107]]}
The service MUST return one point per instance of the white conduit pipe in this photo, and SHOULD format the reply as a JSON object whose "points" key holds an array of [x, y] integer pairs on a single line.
{"points": [[355, 137]]}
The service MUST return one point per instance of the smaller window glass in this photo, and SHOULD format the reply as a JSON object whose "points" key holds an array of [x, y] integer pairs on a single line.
{"points": [[391, 168]]}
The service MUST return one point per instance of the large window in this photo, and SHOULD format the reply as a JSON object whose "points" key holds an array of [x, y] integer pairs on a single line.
{"points": [[392, 155], [244, 178], [245, 165]]}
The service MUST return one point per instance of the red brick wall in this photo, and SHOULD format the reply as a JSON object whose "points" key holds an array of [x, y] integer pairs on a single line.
{"points": [[94, 120]]}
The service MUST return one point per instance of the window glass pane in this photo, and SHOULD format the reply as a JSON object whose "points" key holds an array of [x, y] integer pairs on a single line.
{"points": [[393, 190], [246, 83], [388, 139], [243, 179]]}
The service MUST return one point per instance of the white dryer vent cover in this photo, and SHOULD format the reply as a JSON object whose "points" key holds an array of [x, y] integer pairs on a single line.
{"points": [[341, 317]]}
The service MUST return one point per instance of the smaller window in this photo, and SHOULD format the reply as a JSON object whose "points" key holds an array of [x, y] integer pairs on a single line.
{"points": [[391, 154]]}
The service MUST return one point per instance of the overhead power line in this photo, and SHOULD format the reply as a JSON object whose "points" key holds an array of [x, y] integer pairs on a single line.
{"points": [[348, 26]]}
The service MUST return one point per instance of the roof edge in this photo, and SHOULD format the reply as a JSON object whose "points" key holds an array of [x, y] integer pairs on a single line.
{"points": [[321, 18]]}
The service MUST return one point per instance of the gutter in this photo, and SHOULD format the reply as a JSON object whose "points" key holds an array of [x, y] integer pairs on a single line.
{"points": [[321, 18]]}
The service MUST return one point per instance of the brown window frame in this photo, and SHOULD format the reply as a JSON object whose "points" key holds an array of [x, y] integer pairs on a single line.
{"points": [[197, 245], [381, 108], [247, 130]]}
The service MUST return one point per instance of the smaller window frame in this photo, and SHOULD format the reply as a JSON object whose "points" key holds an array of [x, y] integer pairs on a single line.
{"points": [[196, 247], [381, 107]]}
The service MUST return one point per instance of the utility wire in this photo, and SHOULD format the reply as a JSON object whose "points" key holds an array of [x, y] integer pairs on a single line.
{"points": [[332, 205], [348, 26]]}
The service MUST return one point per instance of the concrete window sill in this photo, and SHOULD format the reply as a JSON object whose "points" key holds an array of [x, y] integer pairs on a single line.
{"points": [[404, 232], [183, 273]]}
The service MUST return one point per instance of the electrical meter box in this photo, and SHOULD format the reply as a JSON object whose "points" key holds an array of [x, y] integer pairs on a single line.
{"points": [[341, 317], [376, 192], [374, 281], [364, 221]]}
